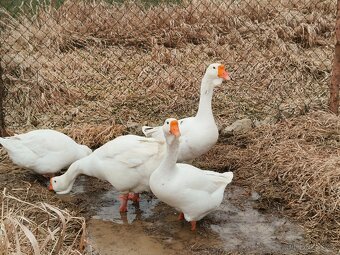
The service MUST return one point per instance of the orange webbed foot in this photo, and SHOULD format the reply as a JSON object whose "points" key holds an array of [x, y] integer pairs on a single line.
{"points": [[193, 225], [123, 202], [181, 216], [134, 197]]}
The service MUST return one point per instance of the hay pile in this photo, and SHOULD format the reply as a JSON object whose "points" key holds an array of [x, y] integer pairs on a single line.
{"points": [[300, 160], [134, 63], [295, 166], [94, 135], [39, 228]]}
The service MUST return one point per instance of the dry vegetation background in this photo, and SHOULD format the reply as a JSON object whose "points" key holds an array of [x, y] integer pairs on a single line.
{"points": [[93, 62], [95, 70]]}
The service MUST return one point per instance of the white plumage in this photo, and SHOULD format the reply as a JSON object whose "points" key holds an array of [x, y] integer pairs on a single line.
{"points": [[126, 162], [44, 151], [190, 190], [198, 134]]}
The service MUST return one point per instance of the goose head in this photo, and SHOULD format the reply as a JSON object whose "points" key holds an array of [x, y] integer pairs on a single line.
{"points": [[216, 74], [60, 185], [171, 130]]}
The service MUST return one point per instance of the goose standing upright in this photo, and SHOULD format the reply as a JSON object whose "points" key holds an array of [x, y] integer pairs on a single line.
{"points": [[199, 133], [44, 151], [192, 191]]}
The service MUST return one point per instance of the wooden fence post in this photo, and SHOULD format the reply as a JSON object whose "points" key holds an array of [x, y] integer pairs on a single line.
{"points": [[335, 80], [2, 110]]}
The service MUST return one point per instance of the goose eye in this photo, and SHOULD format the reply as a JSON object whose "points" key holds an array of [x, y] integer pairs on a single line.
{"points": [[55, 181], [167, 122], [214, 67]]}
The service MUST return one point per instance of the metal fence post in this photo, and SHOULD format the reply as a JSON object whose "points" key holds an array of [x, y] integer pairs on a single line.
{"points": [[2, 110], [335, 80]]}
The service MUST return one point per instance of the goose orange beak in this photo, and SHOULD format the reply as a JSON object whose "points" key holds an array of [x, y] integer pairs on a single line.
{"points": [[222, 73], [50, 187], [174, 129]]}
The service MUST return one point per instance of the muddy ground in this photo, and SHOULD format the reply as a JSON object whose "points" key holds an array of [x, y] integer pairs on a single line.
{"points": [[242, 225]]}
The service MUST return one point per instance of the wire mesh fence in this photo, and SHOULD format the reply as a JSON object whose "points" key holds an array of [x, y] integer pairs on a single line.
{"points": [[70, 64]]}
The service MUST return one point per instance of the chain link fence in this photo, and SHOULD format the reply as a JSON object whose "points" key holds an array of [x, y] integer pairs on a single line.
{"points": [[83, 64]]}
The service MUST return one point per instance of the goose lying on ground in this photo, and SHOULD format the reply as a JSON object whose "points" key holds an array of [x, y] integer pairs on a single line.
{"points": [[198, 134], [44, 151], [192, 191], [126, 162]]}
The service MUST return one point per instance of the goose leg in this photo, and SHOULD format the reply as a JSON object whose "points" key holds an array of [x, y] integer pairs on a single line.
{"points": [[193, 225], [123, 198], [181, 216], [134, 197]]}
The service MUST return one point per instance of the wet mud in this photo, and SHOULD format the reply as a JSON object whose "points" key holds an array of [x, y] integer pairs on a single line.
{"points": [[152, 227]]}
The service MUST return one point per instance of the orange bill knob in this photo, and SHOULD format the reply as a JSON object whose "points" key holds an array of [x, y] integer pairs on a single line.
{"points": [[222, 73], [174, 129], [50, 187]]}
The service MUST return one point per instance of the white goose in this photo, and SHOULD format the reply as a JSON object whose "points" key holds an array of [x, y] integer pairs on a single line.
{"points": [[199, 133], [192, 191], [44, 151], [126, 162]]}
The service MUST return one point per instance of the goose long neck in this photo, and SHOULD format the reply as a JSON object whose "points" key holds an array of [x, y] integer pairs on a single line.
{"points": [[171, 155], [204, 107], [81, 166], [72, 172]]}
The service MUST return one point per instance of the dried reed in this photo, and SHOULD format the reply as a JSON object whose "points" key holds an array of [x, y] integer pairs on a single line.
{"points": [[38, 228], [127, 62], [294, 165], [94, 135]]}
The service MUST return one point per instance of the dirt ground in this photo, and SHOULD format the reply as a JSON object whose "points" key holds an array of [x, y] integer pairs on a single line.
{"points": [[242, 225]]}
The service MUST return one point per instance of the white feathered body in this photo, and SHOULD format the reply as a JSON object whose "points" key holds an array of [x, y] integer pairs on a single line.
{"points": [[197, 137], [126, 162], [199, 133], [44, 151], [190, 190]]}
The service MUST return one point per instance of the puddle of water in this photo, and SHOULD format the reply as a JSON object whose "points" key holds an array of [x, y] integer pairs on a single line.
{"points": [[79, 185], [107, 204], [153, 228], [247, 229]]}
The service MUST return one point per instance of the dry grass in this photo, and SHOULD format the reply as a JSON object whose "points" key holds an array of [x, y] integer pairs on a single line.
{"points": [[39, 228], [300, 160], [128, 63], [94, 135], [295, 166]]}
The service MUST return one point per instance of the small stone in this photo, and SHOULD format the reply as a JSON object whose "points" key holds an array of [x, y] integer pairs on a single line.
{"points": [[132, 124], [267, 121], [68, 118], [238, 126], [74, 112], [255, 196]]}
